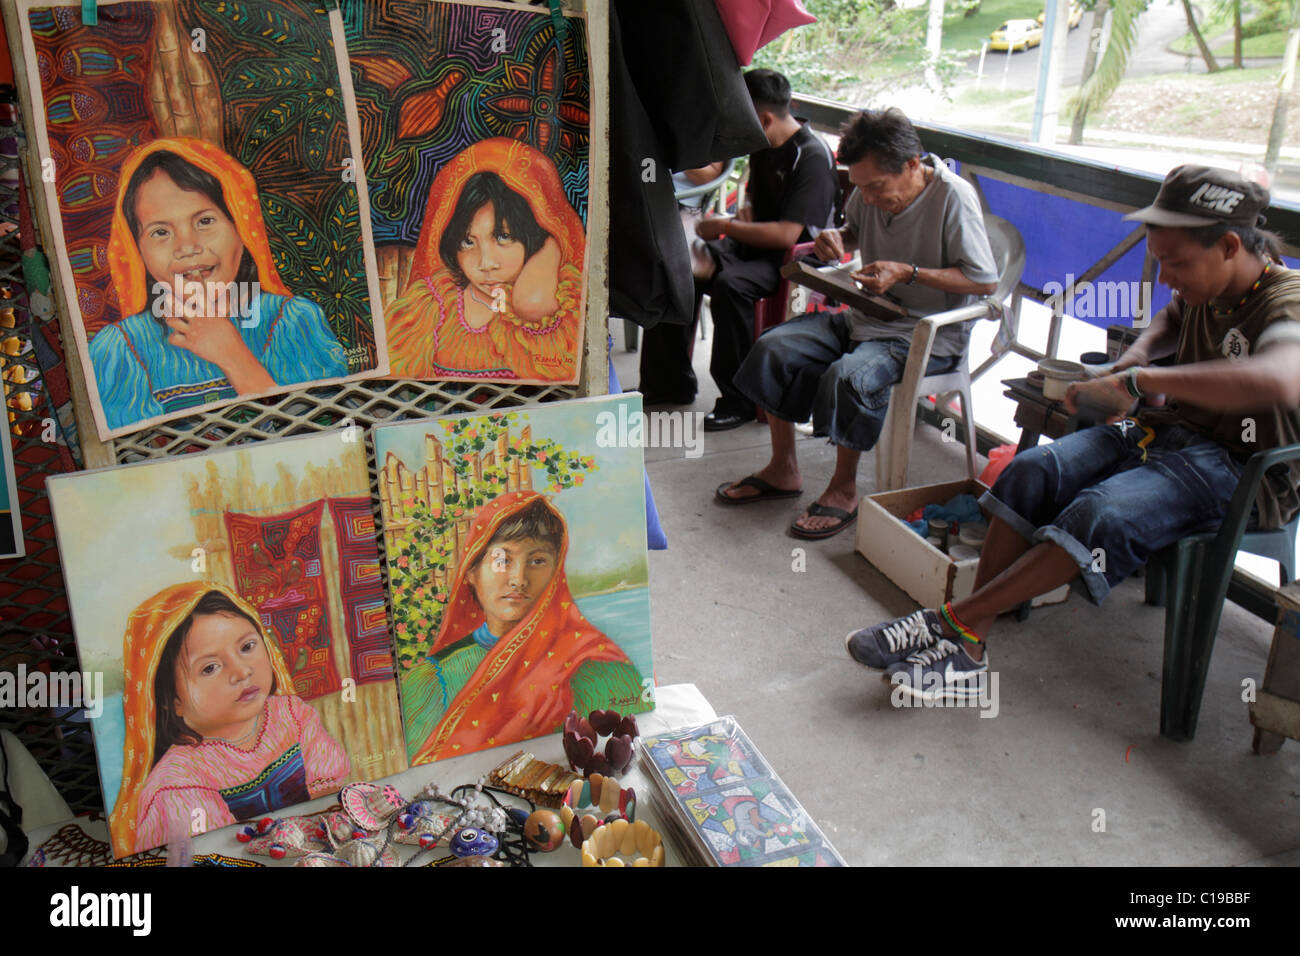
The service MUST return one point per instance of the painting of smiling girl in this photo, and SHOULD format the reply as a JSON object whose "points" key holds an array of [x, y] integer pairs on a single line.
{"points": [[207, 316], [212, 723], [208, 230], [495, 292]]}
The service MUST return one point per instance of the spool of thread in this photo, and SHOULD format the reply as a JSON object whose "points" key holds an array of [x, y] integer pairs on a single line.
{"points": [[937, 542], [939, 529], [963, 552], [1057, 376], [971, 534]]}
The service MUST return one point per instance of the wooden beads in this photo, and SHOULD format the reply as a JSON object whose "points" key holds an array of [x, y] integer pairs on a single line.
{"points": [[597, 793], [610, 843]]}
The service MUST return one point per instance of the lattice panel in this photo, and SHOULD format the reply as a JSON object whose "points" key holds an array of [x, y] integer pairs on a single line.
{"points": [[319, 409]]}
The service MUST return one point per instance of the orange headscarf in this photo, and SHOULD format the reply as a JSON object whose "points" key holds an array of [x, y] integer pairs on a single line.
{"points": [[521, 688], [524, 170], [240, 192], [148, 629]]}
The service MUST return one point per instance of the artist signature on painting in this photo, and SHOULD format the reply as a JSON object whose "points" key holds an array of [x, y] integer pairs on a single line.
{"points": [[375, 757]]}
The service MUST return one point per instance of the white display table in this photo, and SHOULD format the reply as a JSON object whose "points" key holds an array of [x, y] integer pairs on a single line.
{"points": [[678, 705]]}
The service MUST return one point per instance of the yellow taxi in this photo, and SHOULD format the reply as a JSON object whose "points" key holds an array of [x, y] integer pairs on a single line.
{"points": [[1016, 35], [1074, 17]]}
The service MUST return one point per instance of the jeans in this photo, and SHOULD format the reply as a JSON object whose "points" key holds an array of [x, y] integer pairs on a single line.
{"points": [[1111, 495], [811, 366], [733, 292]]}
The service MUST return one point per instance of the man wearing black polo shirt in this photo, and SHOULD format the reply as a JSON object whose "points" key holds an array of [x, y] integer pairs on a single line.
{"points": [[792, 186]]}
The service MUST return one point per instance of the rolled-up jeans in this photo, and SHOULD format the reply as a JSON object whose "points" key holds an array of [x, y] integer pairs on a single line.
{"points": [[1112, 495], [810, 366]]}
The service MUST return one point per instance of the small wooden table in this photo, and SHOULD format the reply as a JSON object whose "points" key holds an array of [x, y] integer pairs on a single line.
{"points": [[1037, 415], [1276, 710]]}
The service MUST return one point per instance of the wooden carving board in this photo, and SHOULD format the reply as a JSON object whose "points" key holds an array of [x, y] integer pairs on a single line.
{"points": [[837, 284]]}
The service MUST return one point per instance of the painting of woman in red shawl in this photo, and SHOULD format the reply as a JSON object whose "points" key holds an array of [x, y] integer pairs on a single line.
{"points": [[495, 292], [513, 654]]}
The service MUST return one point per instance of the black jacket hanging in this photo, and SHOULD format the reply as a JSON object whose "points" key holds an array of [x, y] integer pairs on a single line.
{"points": [[678, 101]]}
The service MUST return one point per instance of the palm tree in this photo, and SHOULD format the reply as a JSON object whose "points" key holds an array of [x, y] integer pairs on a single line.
{"points": [[1236, 34], [1105, 65], [1211, 65]]}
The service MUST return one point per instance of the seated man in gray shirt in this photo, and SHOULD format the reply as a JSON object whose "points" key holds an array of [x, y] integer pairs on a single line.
{"points": [[921, 234]]}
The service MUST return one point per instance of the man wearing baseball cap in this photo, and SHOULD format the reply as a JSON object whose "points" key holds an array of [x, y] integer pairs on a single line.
{"points": [[1096, 504]]}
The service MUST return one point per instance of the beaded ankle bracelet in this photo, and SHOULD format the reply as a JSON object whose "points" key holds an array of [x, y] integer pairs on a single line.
{"points": [[962, 630]]}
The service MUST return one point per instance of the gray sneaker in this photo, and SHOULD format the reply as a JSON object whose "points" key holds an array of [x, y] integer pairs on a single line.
{"points": [[885, 644], [941, 672]]}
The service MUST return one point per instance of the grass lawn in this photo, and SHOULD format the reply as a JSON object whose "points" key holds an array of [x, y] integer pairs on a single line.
{"points": [[1264, 45], [1225, 105], [1218, 33], [1009, 107], [1213, 23]]}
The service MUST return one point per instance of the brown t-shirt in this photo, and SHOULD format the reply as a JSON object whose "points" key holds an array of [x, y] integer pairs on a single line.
{"points": [[1271, 315]]}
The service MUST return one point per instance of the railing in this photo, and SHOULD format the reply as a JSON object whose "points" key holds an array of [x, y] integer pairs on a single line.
{"points": [[1086, 197]]}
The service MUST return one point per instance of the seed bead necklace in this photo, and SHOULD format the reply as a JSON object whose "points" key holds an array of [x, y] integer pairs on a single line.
{"points": [[238, 742], [1242, 301]]}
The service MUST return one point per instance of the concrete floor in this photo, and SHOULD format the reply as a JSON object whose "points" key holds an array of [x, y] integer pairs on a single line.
{"points": [[1075, 744]]}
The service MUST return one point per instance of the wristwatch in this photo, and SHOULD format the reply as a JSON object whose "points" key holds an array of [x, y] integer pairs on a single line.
{"points": [[915, 270]]}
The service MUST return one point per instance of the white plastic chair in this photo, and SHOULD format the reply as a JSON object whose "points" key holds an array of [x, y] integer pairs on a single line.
{"points": [[894, 449]]}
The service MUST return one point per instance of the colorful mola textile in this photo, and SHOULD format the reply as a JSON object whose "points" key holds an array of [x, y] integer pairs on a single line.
{"points": [[364, 617], [278, 570]]}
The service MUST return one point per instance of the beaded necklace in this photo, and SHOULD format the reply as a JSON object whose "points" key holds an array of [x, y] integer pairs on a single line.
{"points": [[1220, 313], [473, 294], [238, 742]]}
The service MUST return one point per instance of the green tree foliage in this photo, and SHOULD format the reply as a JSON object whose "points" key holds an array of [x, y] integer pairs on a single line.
{"points": [[857, 45], [1113, 60]]}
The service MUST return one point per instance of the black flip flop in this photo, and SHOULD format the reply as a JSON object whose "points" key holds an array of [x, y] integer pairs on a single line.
{"points": [[765, 491], [815, 510]]}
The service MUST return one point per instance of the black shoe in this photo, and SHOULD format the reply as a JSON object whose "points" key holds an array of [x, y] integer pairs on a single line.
{"points": [[725, 421]]}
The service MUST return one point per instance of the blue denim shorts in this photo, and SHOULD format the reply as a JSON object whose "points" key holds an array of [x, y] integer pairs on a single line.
{"points": [[1112, 495], [810, 366]]}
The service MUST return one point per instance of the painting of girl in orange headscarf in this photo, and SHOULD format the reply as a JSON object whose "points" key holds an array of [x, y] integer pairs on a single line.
{"points": [[208, 224], [513, 654], [207, 316], [212, 722], [495, 292]]}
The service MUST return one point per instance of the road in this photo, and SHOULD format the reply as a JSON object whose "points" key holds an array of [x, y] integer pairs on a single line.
{"points": [[1163, 23]]}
